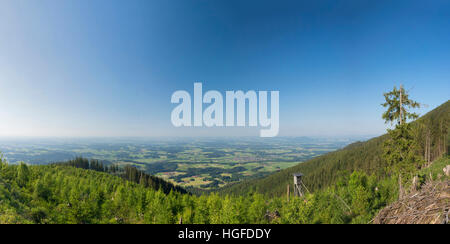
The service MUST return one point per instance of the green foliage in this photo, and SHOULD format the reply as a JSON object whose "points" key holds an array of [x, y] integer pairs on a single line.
{"points": [[298, 211], [400, 150], [64, 194], [400, 147], [398, 104], [23, 174], [129, 173], [435, 170]]}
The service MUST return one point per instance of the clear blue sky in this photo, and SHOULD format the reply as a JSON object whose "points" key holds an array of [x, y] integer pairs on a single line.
{"points": [[108, 68]]}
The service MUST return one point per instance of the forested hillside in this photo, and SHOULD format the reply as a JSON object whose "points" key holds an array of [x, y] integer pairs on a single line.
{"points": [[129, 173], [65, 194], [431, 133]]}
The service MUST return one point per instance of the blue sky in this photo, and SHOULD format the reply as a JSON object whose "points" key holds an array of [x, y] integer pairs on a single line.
{"points": [[108, 68]]}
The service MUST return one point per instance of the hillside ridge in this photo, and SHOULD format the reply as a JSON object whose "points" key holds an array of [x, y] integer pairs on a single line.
{"points": [[324, 170]]}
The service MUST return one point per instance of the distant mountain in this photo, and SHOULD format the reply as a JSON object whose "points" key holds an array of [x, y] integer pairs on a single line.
{"points": [[365, 156]]}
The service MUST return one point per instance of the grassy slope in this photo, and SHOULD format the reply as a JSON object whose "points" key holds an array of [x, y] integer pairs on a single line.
{"points": [[323, 171], [436, 169]]}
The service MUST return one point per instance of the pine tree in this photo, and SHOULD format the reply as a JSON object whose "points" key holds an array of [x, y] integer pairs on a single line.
{"points": [[398, 105], [400, 148], [23, 174]]}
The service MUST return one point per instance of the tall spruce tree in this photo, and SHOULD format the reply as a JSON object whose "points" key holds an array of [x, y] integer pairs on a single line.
{"points": [[399, 149]]}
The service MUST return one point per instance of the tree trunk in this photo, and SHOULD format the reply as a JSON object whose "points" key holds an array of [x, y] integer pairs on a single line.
{"points": [[401, 105]]}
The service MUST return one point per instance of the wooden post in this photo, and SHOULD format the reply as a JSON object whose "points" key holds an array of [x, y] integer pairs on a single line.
{"points": [[288, 193], [181, 220]]}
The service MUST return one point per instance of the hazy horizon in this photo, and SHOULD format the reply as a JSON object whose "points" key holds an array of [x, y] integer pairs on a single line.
{"points": [[184, 137]]}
